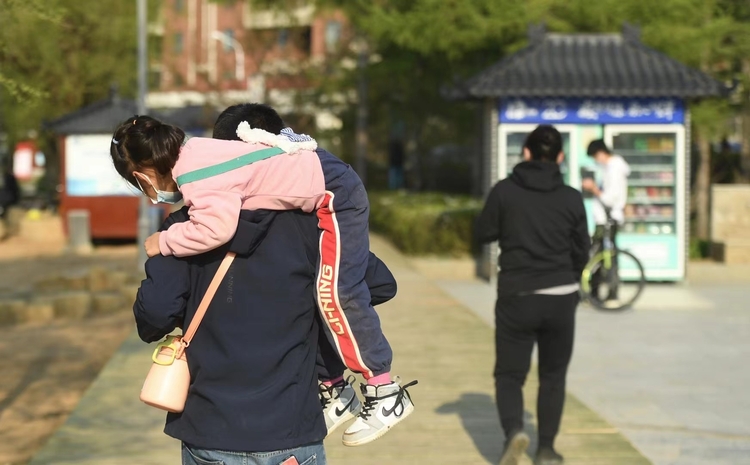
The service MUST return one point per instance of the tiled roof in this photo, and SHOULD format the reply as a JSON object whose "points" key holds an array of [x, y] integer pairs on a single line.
{"points": [[104, 116], [589, 65], [101, 117]]}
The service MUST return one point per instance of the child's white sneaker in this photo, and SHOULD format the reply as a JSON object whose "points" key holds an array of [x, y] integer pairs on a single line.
{"points": [[340, 403], [386, 405]]}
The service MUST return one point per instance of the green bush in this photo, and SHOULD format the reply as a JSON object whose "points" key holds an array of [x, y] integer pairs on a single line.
{"points": [[699, 249], [425, 223]]}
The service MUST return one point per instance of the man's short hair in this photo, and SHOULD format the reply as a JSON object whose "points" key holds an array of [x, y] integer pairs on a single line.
{"points": [[597, 146], [544, 143], [259, 116]]}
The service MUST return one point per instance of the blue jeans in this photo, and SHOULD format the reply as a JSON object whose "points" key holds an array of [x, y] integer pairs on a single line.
{"points": [[313, 454]]}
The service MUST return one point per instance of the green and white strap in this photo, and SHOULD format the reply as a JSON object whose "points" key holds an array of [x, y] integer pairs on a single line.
{"points": [[227, 166]]}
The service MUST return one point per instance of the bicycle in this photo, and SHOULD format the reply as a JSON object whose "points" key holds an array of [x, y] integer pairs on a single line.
{"points": [[603, 269]]}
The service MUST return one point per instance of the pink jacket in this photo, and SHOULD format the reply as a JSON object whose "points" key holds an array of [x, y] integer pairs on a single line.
{"points": [[282, 182]]}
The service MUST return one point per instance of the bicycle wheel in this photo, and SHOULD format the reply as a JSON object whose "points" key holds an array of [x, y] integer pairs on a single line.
{"points": [[613, 284]]}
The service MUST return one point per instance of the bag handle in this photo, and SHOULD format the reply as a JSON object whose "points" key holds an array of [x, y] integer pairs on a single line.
{"points": [[206, 301]]}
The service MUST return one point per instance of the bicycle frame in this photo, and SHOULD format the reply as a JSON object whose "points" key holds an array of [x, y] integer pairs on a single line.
{"points": [[604, 257], [609, 246], [605, 251]]}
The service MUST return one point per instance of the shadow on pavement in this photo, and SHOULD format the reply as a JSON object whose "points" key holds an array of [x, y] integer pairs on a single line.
{"points": [[479, 418], [46, 369], [478, 414], [33, 373]]}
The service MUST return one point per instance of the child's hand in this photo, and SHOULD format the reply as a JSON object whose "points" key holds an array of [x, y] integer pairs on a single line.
{"points": [[152, 245]]}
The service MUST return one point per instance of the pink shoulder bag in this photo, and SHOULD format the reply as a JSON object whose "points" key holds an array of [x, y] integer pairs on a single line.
{"points": [[166, 386]]}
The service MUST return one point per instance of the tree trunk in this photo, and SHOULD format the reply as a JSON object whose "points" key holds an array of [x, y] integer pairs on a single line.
{"points": [[360, 164], [745, 126], [703, 188], [703, 176], [419, 168]]}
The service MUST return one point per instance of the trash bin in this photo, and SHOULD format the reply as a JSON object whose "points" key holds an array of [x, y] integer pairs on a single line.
{"points": [[79, 232]]}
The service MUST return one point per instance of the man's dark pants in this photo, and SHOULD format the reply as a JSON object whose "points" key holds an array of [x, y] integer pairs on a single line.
{"points": [[522, 320]]}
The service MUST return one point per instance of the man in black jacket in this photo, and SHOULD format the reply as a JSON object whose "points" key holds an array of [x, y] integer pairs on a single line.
{"points": [[541, 227]]}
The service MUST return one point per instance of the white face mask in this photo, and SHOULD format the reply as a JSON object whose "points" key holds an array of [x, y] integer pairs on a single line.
{"points": [[161, 196]]}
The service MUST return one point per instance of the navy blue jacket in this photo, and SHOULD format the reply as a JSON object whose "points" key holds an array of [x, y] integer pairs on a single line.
{"points": [[252, 361]]}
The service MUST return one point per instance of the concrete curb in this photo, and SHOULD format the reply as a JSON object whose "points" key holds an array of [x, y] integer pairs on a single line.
{"points": [[73, 295]]}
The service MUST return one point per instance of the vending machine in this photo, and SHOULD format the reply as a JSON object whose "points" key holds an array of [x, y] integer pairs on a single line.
{"points": [[655, 216], [512, 138], [650, 135]]}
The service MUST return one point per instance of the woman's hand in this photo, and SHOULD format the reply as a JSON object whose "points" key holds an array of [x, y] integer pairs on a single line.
{"points": [[152, 245]]}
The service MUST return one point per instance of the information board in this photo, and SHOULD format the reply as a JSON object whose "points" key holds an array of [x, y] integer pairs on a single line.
{"points": [[592, 111], [88, 168]]}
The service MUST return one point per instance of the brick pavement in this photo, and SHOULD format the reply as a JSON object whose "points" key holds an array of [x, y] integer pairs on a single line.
{"points": [[435, 339]]}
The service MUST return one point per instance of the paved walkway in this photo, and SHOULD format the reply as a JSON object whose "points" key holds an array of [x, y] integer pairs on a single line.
{"points": [[672, 374], [436, 340]]}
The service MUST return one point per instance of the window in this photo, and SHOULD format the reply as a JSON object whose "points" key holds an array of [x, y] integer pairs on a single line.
{"points": [[154, 78], [178, 45], [306, 40], [179, 6], [283, 38], [333, 36], [228, 40]]}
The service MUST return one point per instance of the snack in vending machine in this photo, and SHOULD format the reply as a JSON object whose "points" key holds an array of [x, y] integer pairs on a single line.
{"points": [[654, 144]]}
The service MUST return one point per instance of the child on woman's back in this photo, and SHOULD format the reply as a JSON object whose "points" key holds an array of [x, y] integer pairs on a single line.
{"points": [[218, 178]]}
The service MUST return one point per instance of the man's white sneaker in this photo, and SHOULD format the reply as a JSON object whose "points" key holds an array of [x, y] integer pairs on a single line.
{"points": [[515, 448], [386, 405], [340, 403]]}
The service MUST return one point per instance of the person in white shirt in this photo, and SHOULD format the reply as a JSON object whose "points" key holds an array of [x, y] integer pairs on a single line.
{"points": [[612, 194]]}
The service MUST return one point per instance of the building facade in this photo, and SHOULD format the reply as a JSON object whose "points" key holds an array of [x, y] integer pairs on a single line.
{"points": [[218, 54]]}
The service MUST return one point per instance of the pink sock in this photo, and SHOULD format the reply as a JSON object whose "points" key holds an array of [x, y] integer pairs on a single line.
{"points": [[385, 378], [333, 381]]}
